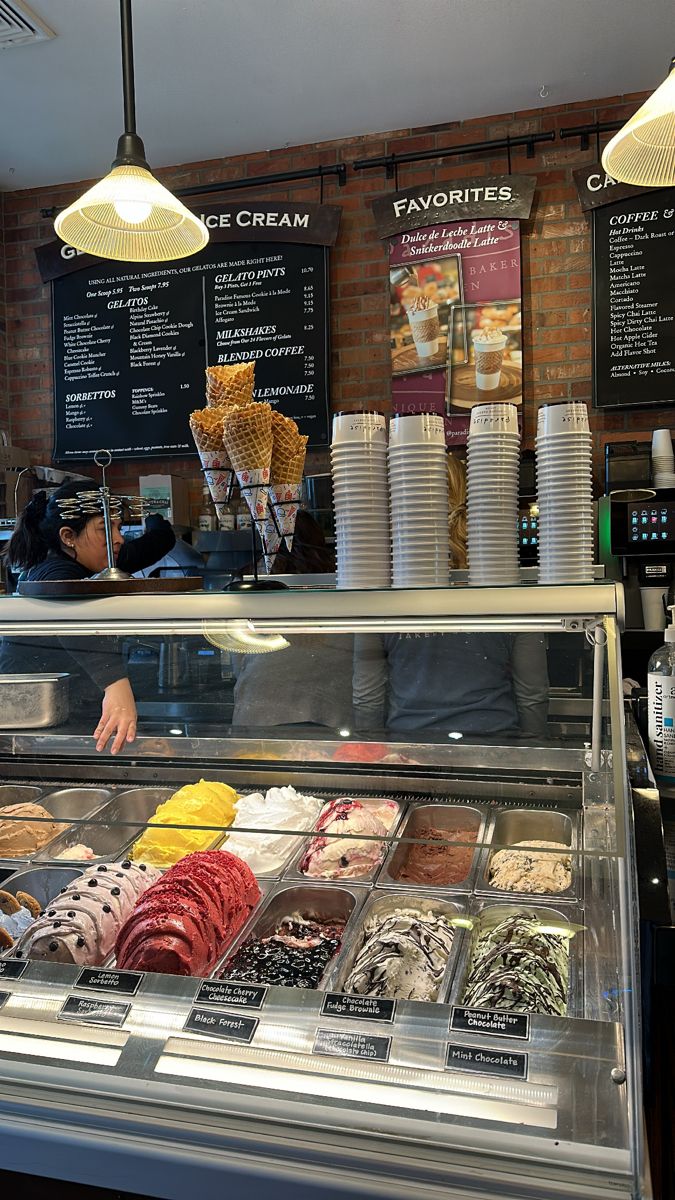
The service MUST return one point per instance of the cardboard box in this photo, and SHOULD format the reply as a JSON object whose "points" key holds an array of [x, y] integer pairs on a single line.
{"points": [[172, 488]]}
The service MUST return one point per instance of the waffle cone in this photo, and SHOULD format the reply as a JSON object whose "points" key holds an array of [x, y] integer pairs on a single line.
{"points": [[229, 386], [297, 463], [247, 436], [206, 426], [284, 445]]}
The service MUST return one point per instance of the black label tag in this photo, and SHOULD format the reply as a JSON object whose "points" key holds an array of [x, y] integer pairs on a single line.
{"points": [[11, 968], [485, 1061], [4, 997], [487, 1020], [227, 1026], [94, 1012], [339, 1043], [238, 995], [364, 1008], [123, 983]]}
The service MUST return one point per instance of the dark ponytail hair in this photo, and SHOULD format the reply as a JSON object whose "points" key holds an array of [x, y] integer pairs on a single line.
{"points": [[37, 531]]}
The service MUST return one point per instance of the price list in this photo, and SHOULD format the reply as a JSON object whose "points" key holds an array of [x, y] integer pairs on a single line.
{"points": [[634, 309], [131, 344]]}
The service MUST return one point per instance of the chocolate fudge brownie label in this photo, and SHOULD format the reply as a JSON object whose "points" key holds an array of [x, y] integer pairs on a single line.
{"points": [[123, 983], [486, 1020], [238, 995], [341, 1044], [363, 1008], [222, 1025], [94, 1012], [485, 1061], [11, 968]]}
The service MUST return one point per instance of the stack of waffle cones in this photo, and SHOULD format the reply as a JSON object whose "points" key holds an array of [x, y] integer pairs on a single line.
{"points": [[247, 436], [289, 448], [230, 386], [227, 388]]}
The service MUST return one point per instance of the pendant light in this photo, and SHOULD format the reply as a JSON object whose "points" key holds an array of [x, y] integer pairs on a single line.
{"points": [[129, 215], [643, 151]]}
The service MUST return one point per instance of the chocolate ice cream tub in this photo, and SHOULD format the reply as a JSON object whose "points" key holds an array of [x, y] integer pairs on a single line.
{"points": [[294, 873], [513, 825], [485, 915], [328, 902], [382, 904], [449, 868]]}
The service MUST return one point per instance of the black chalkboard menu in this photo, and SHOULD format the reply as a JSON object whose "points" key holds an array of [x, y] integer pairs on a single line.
{"points": [[131, 341], [634, 301]]}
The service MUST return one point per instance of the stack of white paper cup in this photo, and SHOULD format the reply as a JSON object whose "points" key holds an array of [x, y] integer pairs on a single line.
{"points": [[564, 493], [418, 489], [359, 468], [493, 470], [663, 461]]}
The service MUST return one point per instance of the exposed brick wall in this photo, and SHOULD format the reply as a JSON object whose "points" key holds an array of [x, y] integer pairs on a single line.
{"points": [[556, 269]]}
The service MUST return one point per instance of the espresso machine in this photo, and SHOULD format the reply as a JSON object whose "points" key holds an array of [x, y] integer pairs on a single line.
{"points": [[636, 542]]}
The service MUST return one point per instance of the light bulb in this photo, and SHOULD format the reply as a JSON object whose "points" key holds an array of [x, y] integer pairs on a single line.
{"points": [[133, 211]]}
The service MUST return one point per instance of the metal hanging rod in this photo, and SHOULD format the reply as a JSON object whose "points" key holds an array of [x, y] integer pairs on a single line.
{"points": [[586, 132], [233, 185], [392, 161]]}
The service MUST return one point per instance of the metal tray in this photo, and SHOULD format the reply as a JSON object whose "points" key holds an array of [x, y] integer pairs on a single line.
{"points": [[446, 817], [75, 803], [382, 904], [485, 915], [44, 883], [328, 901], [511, 825], [33, 701], [19, 793], [292, 871], [139, 805], [26, 794]]}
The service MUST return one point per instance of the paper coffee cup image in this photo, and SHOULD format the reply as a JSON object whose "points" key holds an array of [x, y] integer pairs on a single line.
{"points": [[425, 327], [488, 348]]}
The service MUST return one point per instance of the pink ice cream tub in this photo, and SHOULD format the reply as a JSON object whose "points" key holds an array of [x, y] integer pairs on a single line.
{"points": [[351, 838]]}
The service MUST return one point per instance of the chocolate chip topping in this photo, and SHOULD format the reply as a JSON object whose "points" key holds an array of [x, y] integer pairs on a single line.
{"points": [[53, 946], [93, 883], [107, 908], [114, 891], [80, 941], [126, 864]]}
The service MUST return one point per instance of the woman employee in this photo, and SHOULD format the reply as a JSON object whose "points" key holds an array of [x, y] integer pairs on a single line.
{"points": [[47, 545]]}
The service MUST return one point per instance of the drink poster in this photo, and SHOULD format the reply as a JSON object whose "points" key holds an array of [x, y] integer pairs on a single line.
{"points": [[455, 299]]}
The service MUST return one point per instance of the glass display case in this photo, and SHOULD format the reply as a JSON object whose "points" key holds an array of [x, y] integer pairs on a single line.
{"points": [[404, 957]]}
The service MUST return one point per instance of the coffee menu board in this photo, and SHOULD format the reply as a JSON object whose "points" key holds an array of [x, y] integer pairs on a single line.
{"points": [[634, 301], [131, 341]]}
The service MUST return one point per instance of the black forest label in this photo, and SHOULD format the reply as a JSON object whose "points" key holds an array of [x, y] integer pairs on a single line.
{"points": [[225, 1026]]}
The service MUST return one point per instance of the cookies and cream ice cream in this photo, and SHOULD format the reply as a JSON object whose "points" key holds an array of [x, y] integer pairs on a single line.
{"points": [[280, 808], [521, 868], [23, 835], [187, 919], [519, 967], [196, 804], [80, 924], [340, 851], [403, 956]]}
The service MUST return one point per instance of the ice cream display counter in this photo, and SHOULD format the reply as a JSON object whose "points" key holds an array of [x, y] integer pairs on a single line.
{"points": [[397, 954]]}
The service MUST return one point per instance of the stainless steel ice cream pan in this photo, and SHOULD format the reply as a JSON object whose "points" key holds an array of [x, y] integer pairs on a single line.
{"points": [[384, 904], [568, 919], [43, 883], [139, 805], [293, 871], [329, 902], [106, 842], [73, 804], [447, 819], [512, 825], [19, 793]]}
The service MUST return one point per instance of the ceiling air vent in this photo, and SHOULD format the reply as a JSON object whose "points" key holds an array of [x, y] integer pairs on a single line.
{"points": [[19, 25]]}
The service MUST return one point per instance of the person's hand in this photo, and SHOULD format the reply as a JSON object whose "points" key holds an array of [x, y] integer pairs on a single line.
{"points": [[118, 717]]}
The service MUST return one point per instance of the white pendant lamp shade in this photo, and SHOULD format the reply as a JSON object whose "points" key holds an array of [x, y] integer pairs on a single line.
{"points": [[642, 153], [129, 216]]}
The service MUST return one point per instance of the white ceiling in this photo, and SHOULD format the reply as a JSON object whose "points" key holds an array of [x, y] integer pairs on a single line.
{"points": [[221, 77]]}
